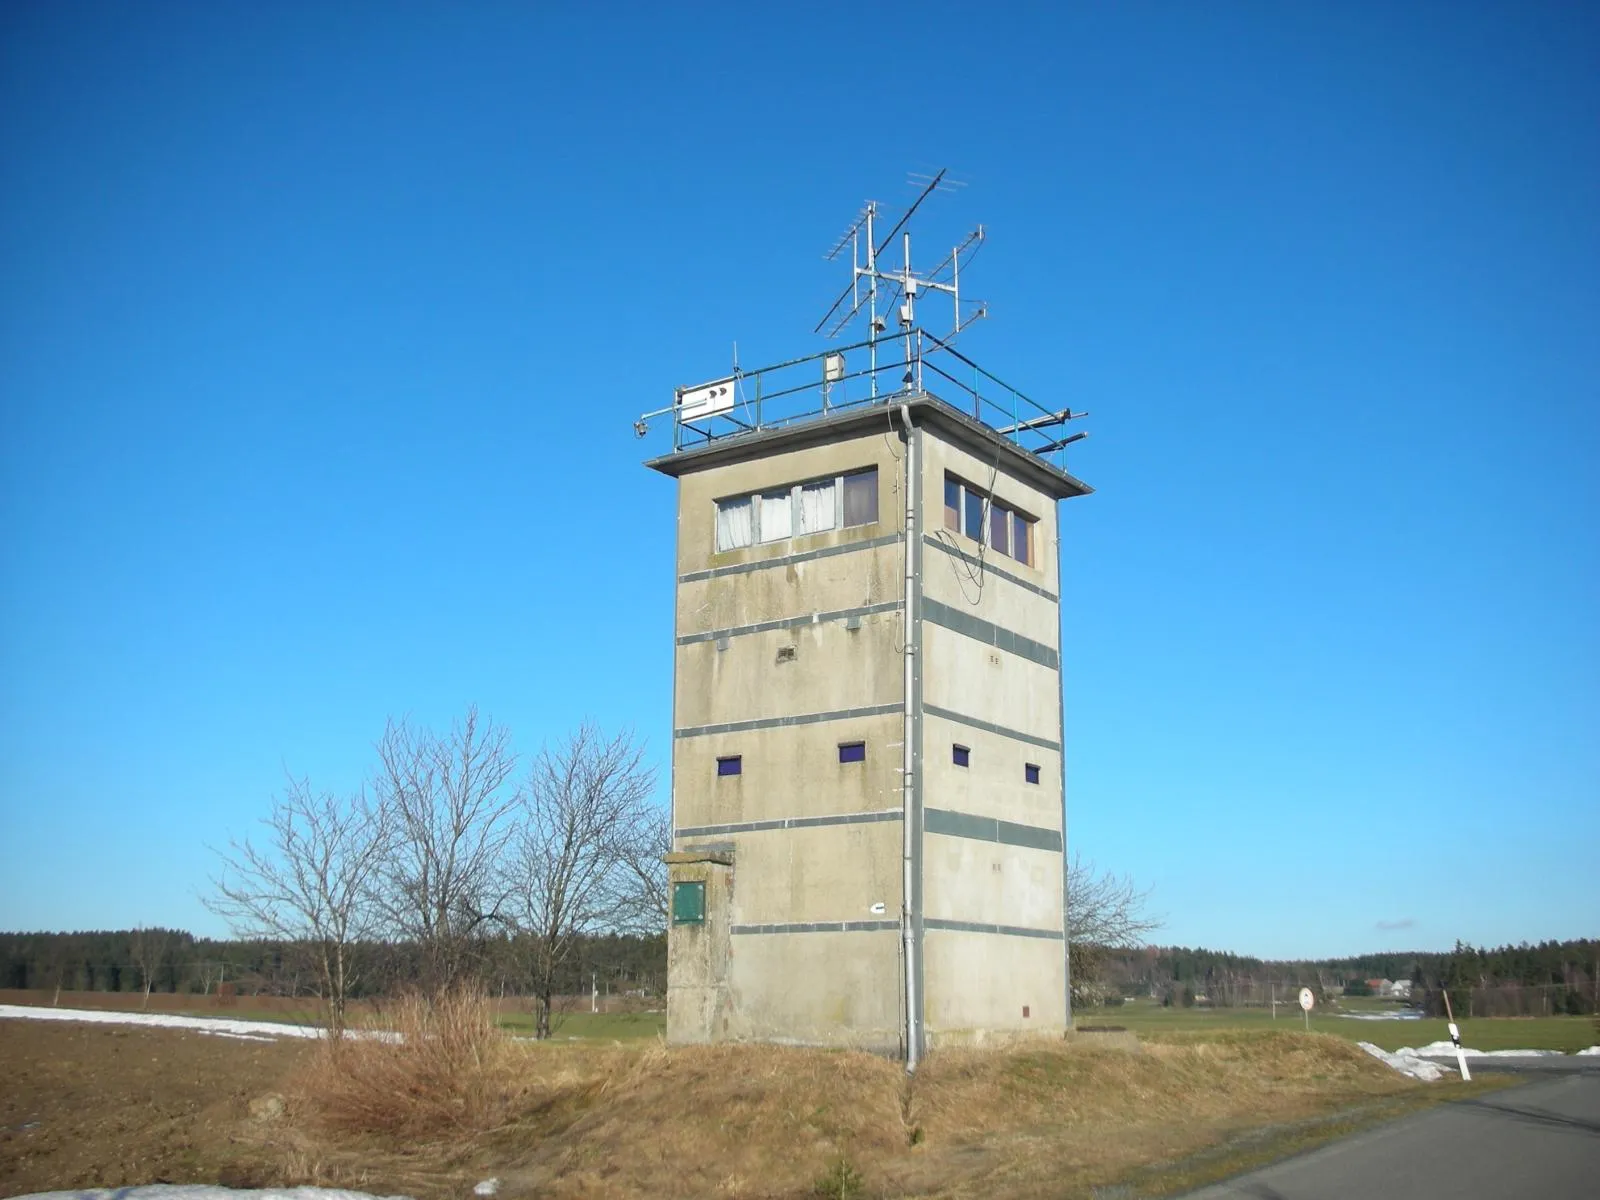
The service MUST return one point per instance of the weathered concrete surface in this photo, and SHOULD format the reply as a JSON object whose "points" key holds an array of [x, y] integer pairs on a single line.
{"points": [[813, 897]]}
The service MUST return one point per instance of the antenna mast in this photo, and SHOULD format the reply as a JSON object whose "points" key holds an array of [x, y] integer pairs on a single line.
{"points": [[862, 290]]}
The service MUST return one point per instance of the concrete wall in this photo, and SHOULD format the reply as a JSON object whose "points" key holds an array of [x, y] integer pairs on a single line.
{"points": [[814, 985], [1011, 981], [769, 668]]}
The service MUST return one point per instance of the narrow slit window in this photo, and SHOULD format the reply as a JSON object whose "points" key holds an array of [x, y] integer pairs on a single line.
{"points": [[850, 752], [952, 504], [1030, 772], [730, 764], [960, 755], [861, 498]]}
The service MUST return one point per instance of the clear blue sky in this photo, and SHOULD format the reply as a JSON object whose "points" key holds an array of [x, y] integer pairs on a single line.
{"points": [[322, 328]]}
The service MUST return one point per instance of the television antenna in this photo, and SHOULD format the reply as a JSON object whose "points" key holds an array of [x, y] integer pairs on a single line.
{"points": [[902, 285]]}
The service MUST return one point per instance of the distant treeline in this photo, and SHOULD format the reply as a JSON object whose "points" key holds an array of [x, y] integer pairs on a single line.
{"points": [[172, 960], [1549, 978]]}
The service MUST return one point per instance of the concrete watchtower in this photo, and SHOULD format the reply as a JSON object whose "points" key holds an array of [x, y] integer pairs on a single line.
{"points": [[867, 789]]}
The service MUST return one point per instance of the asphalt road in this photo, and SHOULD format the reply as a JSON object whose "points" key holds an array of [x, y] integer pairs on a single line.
{"points": [[1541, 1139]]}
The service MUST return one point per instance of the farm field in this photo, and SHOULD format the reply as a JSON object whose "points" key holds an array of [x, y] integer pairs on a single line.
{"points": [[107, 1106], [1147, 1019]]}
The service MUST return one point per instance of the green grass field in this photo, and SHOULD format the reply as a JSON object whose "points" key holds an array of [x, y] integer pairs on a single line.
{"points": [[1146, 1018]]}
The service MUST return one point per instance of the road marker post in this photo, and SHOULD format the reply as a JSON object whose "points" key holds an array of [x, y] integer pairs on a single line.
{"points": [[1455, 1039]]}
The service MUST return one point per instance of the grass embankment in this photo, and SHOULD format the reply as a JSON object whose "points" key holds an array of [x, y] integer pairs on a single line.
{"points": [[456, 1102], [1149, 1019]]}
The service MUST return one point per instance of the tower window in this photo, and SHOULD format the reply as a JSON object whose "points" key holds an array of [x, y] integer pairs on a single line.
{"points": [[798, 509], [990, 522], [1030, 772], [861, 498], [960, 755], [852, 752], [734, 525], [731, 764]]}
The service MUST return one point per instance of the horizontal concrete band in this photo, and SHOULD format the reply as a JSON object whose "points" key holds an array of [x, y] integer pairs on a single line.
{"points": [[1054, 935], [858, 818], [820, 927], [989, 829], [841, 614], [841, 714], [990, 633], [990, 568], [784, 560], [989, 727]]}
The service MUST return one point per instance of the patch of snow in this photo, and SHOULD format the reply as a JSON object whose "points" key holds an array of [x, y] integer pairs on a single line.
{"points": [[1406, 1063], [252, 1031], [219, 1025], [1404, 1014], [1447, 1050], [197, 1191], [1590, 1050], [488, 1187]]}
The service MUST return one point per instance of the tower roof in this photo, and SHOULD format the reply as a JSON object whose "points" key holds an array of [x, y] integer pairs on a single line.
{"points": [[926, 411]]}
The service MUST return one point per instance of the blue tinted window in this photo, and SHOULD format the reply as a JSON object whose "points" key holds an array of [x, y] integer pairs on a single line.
{"points": [[959, 755], [1030, 772], [733, 764], [852, 752], [972, 526]]}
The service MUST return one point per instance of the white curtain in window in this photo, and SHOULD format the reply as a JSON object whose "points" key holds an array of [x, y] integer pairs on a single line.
{"points": [[777, 516], [733, 523], [816, 507]]}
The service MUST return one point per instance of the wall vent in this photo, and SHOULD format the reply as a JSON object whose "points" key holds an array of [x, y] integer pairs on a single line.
{"points": [[785, 654]]}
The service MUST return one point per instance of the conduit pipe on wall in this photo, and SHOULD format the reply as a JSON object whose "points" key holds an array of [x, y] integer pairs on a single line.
{"points": [[908, 734]]}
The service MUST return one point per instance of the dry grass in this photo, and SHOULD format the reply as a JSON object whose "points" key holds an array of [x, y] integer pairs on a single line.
{"points": [[441, 1071], [1053, 1119]]}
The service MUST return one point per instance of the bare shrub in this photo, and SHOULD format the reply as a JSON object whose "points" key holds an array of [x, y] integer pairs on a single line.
{"points": [[437, 1069]]}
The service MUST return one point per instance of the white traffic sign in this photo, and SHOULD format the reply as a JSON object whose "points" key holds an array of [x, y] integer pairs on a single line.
{"points": [[1306, 999]]}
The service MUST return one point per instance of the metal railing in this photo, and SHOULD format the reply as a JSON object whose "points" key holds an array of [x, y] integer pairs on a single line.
{"points": [[909, 363]]}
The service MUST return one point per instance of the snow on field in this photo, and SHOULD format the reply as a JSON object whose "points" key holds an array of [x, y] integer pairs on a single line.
{"points": [[1590, 1050], [254, 1031], [196, 1191], [1447, 1050], [1406, 1062], [1399, 1014]]}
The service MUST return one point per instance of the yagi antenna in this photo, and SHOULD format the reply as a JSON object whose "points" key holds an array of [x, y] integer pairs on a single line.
{"points": [[902, 285]]}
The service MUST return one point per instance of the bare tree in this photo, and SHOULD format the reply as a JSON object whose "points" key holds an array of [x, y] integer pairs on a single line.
{"points": [[584, 801], [148, 947], [309, 885], [451, 808], [1104, 912], [642, 871]]}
